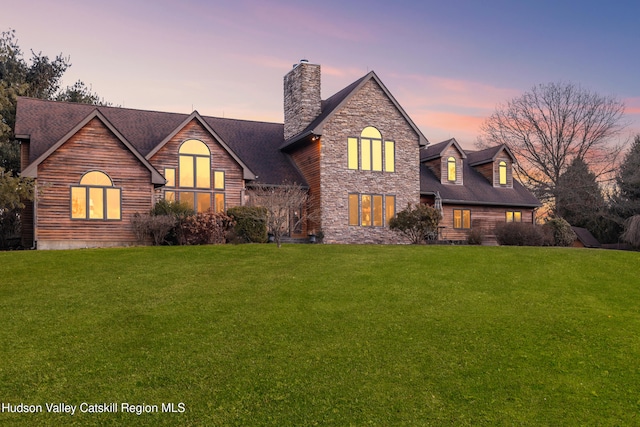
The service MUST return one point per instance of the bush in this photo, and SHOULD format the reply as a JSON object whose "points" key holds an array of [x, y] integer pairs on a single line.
{"points": [[520, 234], [250, 223], [561, 231], [207, 228], [179, 212], [416, 222], [475, 236], [156, 227]]}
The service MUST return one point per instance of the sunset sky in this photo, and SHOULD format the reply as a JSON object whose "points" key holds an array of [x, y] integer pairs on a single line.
{"points": [[447, 63]]}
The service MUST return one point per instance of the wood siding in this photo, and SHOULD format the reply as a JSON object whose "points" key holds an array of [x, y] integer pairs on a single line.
{"points": [[94, 147], [307, 159], [484, 218]]}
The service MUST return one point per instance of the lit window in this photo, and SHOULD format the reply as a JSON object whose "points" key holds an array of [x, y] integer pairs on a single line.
{"points": [[352, 153], [170, 196], [389, 156], [451, 169], [170, 176], [513, 216], [373, 154], [462, 218], [219, 202], [390, 204], [371, 210], [378, 212], [354, 217], [366, 210], [96, 198], [195, 164], [502, 169], [218, 180]]}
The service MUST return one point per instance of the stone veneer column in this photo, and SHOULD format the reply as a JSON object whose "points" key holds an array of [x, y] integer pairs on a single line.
{"points": [[302, 102]]}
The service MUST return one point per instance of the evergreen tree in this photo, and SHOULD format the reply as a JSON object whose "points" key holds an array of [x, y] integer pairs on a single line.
{"points": [[579, 199]]}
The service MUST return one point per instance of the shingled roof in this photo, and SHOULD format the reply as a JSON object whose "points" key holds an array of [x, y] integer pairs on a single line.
{"points": [[332, 105], [256, 144], [477, 190]]}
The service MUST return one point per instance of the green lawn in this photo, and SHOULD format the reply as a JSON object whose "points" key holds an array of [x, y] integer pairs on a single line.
{"points": [[251, 335]]}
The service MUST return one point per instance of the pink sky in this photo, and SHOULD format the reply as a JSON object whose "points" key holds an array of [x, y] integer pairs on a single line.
{"points": [[448, 65]]}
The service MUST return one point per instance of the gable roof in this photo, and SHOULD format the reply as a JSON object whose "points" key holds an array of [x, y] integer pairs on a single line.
{"points": [[254, 144], [438, 150], [333, 104], [489, 155], [477, 190], [32, 169]]}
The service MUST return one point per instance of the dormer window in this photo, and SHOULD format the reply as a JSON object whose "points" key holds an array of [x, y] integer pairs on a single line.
{"points": [[451, 169], [502, 171]]}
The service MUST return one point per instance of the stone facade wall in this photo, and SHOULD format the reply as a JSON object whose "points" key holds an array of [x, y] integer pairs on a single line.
{"points": [[368, 107], [302, 98]]}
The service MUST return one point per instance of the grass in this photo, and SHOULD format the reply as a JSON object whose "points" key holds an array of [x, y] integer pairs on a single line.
{"points": [[323, 335]]}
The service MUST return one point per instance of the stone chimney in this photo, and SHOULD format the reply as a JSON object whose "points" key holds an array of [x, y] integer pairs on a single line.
{"points": [[302, 102]]}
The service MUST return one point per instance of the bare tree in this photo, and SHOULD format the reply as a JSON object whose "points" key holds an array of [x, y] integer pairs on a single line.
{"points": [[280, 201], [550, 126]]}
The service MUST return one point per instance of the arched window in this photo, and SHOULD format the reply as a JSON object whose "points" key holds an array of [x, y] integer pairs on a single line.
{"points": [[372, 153], [451, 169], [194, 165], [502, 170], [96, 198]]}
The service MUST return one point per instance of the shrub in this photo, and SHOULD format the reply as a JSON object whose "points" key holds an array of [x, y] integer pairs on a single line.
{"points": [[561, 231], [156, 227], [250, 223], [207, 228], [519, 234], [179, 212], [416, 222], [475, 236]]}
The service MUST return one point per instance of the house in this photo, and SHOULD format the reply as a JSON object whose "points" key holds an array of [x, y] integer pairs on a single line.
{"points": [[476, 189], [358, 154]]}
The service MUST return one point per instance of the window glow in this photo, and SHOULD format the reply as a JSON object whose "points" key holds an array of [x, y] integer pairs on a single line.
{"points": [[376, 154], [170, 176], [353, 210], [170, 196], [186, 172], [219, 202], [390, 208], [378, 212], [352, 153], [371, 132], [462, 218], [203, 172], [218, 180], [502, 168], [366, 210], [389, 156], [365, 150], [193, 146], [204, 202], [513, 216], [95, 198], [451, 169]]}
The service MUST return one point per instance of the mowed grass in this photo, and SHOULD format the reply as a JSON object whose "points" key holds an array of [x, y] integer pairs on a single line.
{"points": [[253, 335]]}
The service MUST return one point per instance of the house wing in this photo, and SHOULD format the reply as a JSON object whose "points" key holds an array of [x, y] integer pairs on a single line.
{"points": [[32, 169], [333, 104], [476, 190]]}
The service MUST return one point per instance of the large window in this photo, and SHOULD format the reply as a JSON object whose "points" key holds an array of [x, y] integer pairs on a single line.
{"points": [[513, 216], [462, 218], [96, 198], [371, 210], [369, 153], [195, 165], [195, 175]]}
